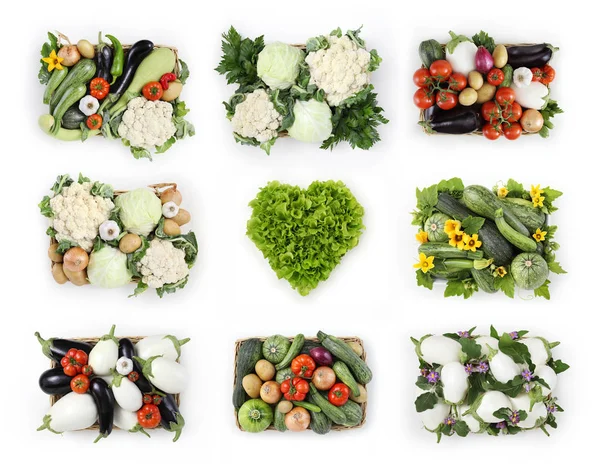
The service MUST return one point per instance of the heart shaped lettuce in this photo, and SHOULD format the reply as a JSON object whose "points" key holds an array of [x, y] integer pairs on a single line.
{"points": [[304, 233]]}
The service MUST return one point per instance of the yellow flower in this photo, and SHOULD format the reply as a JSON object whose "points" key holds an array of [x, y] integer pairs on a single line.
{"points": [[539, 236], [535, 191], [451, 226], [471, 242], [502, 192], [538, 201], [457, 239], [500, 271], [425, 263], [422, 237], [54, 62]]}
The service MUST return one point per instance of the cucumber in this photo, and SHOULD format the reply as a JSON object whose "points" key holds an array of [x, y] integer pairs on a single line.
{"points": [[333, 412], [508, 76], [319, 422], [81, 73], [484, 280], [485, 203], [55, 80], [353, 412], [342, 351], [249, 354], [445, 251], [69, 98], [307, 406], [73, 118], [522, 242], [343, 373], [430, 51], [294, 350], [494, 245], [279, 421], [532, 217]]}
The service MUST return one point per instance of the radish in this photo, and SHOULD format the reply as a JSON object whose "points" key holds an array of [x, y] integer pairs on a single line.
{"points": [[547, 374], [455, 382], [165, 374], [504, 368], [531, 96], [491, 402], [485, 342], [72, 412], [522, 402], [126, 393], [440, 350], [167, 346], [127, 421], [537, 350], [472, 423], [104, 355]]}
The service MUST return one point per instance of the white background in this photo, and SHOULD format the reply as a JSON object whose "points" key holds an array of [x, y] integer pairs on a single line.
{"points": [[232, 291]]}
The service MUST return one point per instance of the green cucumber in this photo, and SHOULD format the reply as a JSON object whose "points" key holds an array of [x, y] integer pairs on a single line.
{"points": [[55, 80], [333, 412], [353, 412], [81, 73], [249, 354], [69, 98], [508, 76], [319, 422], [342, 351], [279, 420], [343, 373], [307, 406], [430, 51], [484, 280], [445, 251], [294, 350], [522, 242], [532, 217]]}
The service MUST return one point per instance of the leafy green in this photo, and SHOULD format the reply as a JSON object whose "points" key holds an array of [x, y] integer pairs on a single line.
{"points": [[47, 48], [506, 284], [83, 179], [558, 366], [550, 195], [166, 146], [172, 288], [101, 189], [136, 257], [183, 128], [240, 57], [548, 112], [518, 352], [470, 348], [45, 208], [461, 428], [62, 181], [515, 189], [184, 72], [455, 41], [426, 401], [51, 232], [543, 290], [185, 242], [453, 186], [427, 198], [471, 225], [139, 152], [465, 288], [65, 245], [512, 388], [475, 388], [483, 39], [424, 279]]}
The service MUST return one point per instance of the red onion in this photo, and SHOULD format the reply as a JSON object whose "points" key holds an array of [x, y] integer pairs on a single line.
{"points": [[321, 356], [484, 62]]}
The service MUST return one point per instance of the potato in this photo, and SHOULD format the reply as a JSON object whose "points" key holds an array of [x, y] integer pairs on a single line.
{"points": [[130, 243], [252, 384], [171, 228], [475, 80], [58, 274], [173, 91], [362, 398], [170, 194], [86, 48], [284, 406], [53, 255], [182, 217], [265, 370], [500, 56], [79, 278], [356, 347], [485, 93], [270, 392], [467, 97]]}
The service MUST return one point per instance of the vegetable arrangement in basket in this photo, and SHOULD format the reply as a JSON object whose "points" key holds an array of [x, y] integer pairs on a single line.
{"points": [[121, 92], [305, 233], [131, 384], [473, 85], [107, 238], [320, 92], [496, 384], [296, 383], [492, 240]]}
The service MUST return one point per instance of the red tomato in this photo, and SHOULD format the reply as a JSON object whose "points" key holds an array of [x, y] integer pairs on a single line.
{"points": [[490, 111], [80, 383], [87, 370], [441, 70], [149, 416], [152, 91], [156, 400], [457, 82], [94, 122], [422, 77], [423, 98], [548, 74], [537, 74], [505, 95], [133, 376], [512, 112], [512, 130], [495, 77], [339, 394], [491, 131], [147, 399], [446, 99]]}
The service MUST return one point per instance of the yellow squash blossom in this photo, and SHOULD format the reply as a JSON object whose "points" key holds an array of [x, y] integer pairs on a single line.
{"points": [[500, 271], [535, 191], [471, 242], [54, 62], [425, 263], [451, 226], [538, 201], [539, 235], [457, 239], [502, 192], [422, 237]]}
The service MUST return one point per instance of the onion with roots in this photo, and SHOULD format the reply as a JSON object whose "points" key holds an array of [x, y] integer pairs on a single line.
{"points": [[70, 54]]}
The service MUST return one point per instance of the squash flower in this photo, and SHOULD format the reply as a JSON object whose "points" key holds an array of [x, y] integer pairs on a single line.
{"points": [[425, 263], [53, 61]]}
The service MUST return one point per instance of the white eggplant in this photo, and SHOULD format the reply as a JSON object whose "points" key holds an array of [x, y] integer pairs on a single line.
{"points": [[472, 423], [455, 381], [491, 402], [105, 353], [72, 412], [522, 402], [127, 420], [547, 374], [165, 374], [504, 368], [432, 418], [440, 350], [461, 52], [485, 342], [531, 96], [167, 346], [537, 350], [126, 393]]}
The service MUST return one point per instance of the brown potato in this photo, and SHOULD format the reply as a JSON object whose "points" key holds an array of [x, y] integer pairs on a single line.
{"points": [[171, 228], [356, 347], [58, 274], [182, 217], [486, 93], [362, 398], [129, 243], [86, 48], [170, 194], [265, 370], [284, 406], [173, 91], [467, 97], [475, 80], [252, 384], [79, 278], [53, 255], [500, 56]]}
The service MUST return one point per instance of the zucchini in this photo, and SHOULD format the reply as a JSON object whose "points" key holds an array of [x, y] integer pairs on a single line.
{"points": [[342, 351], [319, 422], [73, 118], [308, 345], [292, 352], [343, 373], [485, 203], [522, 242], [249, 354], [508, 76], [532, 217], [445, 251], [430, 51], [279, 421], [55, 80], [69, 98], [353, 412], [484, 280], [81, 73], [307, 406], [494, 245], [333, 412]]}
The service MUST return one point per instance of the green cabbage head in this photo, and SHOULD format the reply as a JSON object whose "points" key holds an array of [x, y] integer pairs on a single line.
{"points": [[312, 121], [279, 64], [108, 268], [139, 210]]}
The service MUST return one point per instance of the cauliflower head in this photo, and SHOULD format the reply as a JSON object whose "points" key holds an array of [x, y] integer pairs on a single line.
{"points": [[146, 124], [257, 117], [162, 264], [78, 214], [341, 70]]}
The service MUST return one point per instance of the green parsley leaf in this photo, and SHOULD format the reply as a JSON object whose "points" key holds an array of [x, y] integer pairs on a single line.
{"points": [[483, 39], [548, 112], [240, 57]]}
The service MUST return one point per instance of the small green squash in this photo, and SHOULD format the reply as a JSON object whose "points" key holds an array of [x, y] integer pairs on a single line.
{"points": [[430, 51], [434, 226], [284, 374], [255, 415], [275, 348], [529, 270]]}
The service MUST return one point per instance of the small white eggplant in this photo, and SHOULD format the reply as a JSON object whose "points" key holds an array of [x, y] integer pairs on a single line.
{"points": [[456, 382], [440, 350], [167, 346], [165, 374], [504, 368], [531, 96], [104, 355], [472, 423], [549, 376], [522, 402], [126, 393], [484, 342], [72, 412], [432, 418], [491, 402], [127, 421], [537, 350]]}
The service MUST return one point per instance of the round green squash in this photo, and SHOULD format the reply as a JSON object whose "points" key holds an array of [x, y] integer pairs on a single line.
{"points": [[529, 270], [284, 374], [434, 226], [275, 348], [255, 415]]}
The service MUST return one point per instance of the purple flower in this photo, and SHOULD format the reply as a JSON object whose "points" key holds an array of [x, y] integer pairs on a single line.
{"points": [[527, 375], [514, 335], [469, 369], [529, 387], [501, 425], [483, 367], [464, 334], [433, 377], [424, 372], [514, 417], [450, 421], [551, 408]]}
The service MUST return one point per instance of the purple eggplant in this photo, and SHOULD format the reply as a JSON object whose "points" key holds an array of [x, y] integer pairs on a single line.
{"points": [[170, 417], [126, 349], [518, 56], [55, 382], [56, 348], [105, 403]]}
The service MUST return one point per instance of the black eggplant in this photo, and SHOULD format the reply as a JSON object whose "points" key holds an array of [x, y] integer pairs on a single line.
{"points": [[126, 349], [454, 121], [170, 417], [55, 382], [56, 348], [520, 51], [134, 57], [105, 403], [536, 59], [435, 113], [104, 60]]}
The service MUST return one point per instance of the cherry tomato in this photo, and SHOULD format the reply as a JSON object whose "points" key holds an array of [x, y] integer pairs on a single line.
{"points": [[87, 370], [422, 77], [495, 77], [133, 376], [441, 70], [80, 383], [149, 416], [512, 130], [94, 122], [152, 91], [537, 74], [505, 95], [457, 82], [423, 98], [512, 112], [548, 74], [491, 131], [446, 100], [490, 111], [156, 400], [147, 399]]}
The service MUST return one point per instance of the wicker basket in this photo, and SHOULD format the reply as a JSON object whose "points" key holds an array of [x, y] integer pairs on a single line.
{"points": [[93, 341], [334, 427], [477, 132]]}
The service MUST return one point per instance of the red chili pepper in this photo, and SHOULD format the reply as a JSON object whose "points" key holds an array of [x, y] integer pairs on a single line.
{"points": [[166, 78]]}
